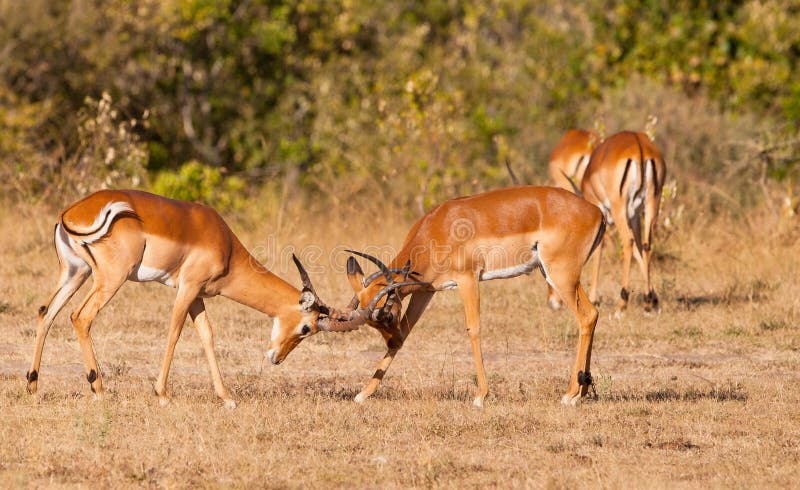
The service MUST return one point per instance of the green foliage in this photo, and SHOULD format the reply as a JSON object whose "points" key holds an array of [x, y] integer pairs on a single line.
{"points": [[415, 101], [194, 181]]}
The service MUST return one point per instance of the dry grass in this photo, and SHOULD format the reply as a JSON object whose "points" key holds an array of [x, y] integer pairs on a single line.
{"points": [[702, 395]]}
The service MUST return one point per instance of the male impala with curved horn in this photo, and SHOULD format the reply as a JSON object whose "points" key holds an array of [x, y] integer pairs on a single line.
{"points": [[624, 178], [570, 157], [132, 235], [499, 234]]}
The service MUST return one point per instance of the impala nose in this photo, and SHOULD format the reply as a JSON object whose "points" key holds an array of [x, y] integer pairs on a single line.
{"points": [[271, 356]]}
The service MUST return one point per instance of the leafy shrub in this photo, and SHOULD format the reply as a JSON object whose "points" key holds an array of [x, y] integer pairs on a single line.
{"points": [[108, 152], [194, 181]]}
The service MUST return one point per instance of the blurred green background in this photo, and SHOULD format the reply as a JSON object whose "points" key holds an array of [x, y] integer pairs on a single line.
{"points": [[404, 101]]}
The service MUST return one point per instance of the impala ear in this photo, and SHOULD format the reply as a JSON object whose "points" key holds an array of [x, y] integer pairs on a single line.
{"points": [[355, 275], [308, 300]]}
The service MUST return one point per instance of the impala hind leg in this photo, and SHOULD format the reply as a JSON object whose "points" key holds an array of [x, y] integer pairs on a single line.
{"points": [[394, 341], [186, 296], [72, 278], [470, 297], [575, 298], [644, 259], [102, 291], [197, 310], [596, 273], [626, 237]]}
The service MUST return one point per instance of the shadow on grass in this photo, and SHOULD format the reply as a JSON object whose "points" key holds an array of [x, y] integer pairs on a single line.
{"points": [[730, 392], [754, 292]]}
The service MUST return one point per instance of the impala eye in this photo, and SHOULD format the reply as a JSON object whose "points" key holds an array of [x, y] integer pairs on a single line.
{"points": [[305, 330]]}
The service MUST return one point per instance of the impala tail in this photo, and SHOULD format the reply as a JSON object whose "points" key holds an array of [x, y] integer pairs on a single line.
{"points": [[641, 181], [601, 231]]}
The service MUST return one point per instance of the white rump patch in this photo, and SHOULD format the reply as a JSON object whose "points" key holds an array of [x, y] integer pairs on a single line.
{"points": [[635, 194], [74, 261]]}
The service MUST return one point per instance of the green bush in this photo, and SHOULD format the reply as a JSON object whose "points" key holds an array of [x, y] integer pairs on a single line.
{"points": [[196, 182]]}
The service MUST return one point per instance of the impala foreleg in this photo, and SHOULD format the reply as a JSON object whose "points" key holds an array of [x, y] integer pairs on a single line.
{"points": [[197, 310], [470, 297], [186, 295], [394, 341], [393, 346]]}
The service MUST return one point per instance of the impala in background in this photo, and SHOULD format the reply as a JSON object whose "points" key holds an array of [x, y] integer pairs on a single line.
{"points": [[624, 179], [570, 157], [117, 236]]}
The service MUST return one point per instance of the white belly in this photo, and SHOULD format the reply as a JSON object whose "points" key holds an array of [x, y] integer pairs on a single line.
{"points": [[146, 274]]}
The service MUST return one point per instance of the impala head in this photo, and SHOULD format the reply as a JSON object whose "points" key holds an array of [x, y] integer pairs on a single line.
{"points": [[309, 316], [381, 292]]}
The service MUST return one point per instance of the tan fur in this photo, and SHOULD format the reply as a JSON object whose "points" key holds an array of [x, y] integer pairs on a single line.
{"points": [[185, 245], [625, 164], [570, 157], [458, 241]]}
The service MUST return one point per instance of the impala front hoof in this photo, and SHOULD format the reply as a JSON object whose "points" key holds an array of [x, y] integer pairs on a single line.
{"points": [[360, 398], [230, 404], [163, 401], [571, 400], [477, 402]]}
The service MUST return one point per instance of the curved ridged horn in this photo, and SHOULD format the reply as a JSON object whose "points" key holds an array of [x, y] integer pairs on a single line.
{"points": [[322, 307], [388, 289], [384, 270], [303, 275], [406, 270], [353, 321], [406, 274]]}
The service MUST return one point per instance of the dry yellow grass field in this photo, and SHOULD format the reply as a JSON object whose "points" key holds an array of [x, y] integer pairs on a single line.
{"points": [[702, 395]]}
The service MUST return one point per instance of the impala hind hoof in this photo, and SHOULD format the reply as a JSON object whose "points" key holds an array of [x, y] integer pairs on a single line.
{"points": [[554, 304], [477, 402], [571, 400], [230, 404], [163, 401], [360, 398]]}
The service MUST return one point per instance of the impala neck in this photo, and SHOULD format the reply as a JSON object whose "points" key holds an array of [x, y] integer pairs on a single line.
{"points": [[251, 284]]}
